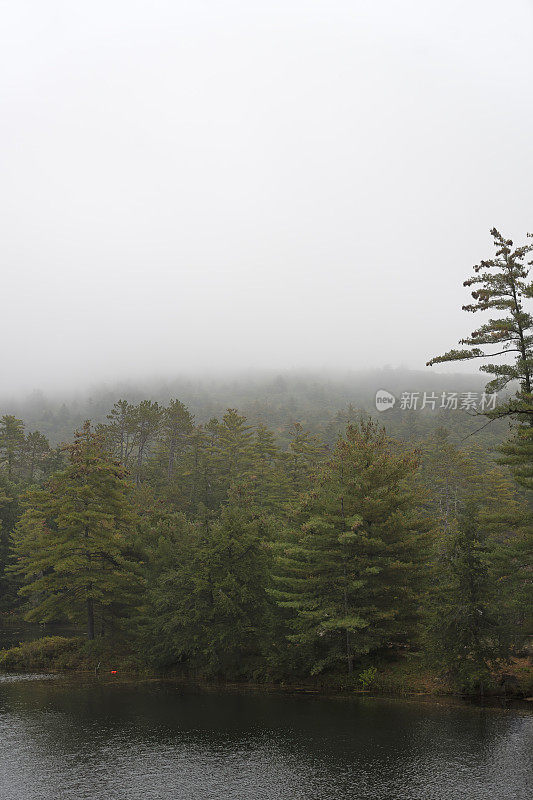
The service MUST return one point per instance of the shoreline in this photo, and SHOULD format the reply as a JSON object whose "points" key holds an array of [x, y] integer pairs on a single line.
{"points": [[493, 703], [408, 675], [121, 678]]}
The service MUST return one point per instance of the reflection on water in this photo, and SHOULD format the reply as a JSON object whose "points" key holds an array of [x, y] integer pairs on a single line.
{"points": [[80, 739], [15, 678]]}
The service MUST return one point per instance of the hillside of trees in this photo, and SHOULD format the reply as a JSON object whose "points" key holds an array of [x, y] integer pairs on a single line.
{"points": [[298, 535], [217, 548]]}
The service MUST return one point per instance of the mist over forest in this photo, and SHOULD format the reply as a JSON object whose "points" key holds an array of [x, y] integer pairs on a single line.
{"points": [[278, 399]]}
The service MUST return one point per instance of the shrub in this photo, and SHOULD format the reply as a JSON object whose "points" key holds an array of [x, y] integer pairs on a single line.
{"points": [[367, 677], [50, 652]]}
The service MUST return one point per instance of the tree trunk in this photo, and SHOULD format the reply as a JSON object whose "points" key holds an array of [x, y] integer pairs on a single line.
{"points": [[90, 619], [139, 464], [349, 655], [171, 456]]}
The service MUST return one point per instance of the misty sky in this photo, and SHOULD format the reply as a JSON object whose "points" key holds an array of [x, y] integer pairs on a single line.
{"points": [[221, 183]]}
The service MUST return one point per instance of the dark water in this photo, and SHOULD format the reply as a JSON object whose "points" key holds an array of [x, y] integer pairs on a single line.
{"points": [[103, 740]]}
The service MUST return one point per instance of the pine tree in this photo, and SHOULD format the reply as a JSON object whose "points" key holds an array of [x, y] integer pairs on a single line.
{"points": [[511, 560], [269, 479], [208, 602], [351, 574], [452, 475], [222, 456], [517, 454], [119, 433], [36, 452], [466, 634], [306, 454], [446, 471], [235, 448], [12, 442], [177, 429], [169, 471], [205, 493], [502, 284], [8, 516], [146, 418], [72, 541]]}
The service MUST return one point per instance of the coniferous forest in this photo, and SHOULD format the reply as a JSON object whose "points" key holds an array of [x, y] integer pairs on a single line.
{"points": [[300, 543]]}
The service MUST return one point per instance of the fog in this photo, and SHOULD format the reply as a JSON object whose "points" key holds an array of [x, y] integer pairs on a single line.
{"points": [[232, 184]]}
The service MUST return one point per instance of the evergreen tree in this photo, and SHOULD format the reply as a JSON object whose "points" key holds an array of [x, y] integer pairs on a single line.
{"points": [[177, 430], [146, 422], [446, 471], [36, 452], [222, 456], [517, 453], [452, 475], [169, 470], [72, 540], [119, 433], [352, 574], [235, 448], [208, 603], [12, 442], [269, 480], [9, 513], [502, 284], [467, 637], [306, 454], [206, 491]]}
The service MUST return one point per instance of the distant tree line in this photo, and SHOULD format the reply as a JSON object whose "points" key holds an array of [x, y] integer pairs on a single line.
{"points": [[214, 551]]}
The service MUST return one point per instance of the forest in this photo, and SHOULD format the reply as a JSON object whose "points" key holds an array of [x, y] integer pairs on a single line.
{"points": [[284, 538]]}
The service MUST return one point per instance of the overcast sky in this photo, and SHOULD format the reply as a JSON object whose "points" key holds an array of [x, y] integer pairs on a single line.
{"points": [[234, 183]]}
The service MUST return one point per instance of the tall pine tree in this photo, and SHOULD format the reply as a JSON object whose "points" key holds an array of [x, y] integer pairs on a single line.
{"points": [[207, 600], [502, 284], [466, 634], [71, 544], [351, 574]]}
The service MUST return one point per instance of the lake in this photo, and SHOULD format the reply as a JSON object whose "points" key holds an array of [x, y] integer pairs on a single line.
{"points": [[103, 739]]}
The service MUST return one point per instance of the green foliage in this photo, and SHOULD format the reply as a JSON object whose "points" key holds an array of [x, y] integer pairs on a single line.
{"points": [[50, 652], [466, 635], [306, 454], [11, 443], [472, 626], [207, 602], [70, 545], [119, 433], [22, 457], [517, 453], [351, 573], [511, 539], [450, 476], [247, 550], [501, 285], [8, 517], [269, 481], [367, 677]]}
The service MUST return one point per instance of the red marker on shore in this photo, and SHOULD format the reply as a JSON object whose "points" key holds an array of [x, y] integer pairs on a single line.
{"points": [[113, 671]]}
